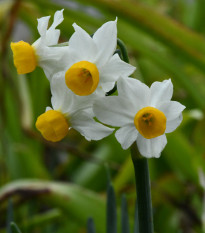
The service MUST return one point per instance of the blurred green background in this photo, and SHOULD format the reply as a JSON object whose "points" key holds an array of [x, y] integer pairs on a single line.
{"points": [[56, 187]]}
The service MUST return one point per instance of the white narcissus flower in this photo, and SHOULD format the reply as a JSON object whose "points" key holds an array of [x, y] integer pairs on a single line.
{"points": [[27, 57], [143, 114], [91, 65], [69, 111]]}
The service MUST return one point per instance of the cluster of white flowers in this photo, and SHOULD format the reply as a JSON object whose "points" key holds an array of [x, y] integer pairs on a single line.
{"points": [[80, 75]]}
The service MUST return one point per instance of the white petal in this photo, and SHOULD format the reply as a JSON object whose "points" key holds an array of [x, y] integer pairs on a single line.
{"points": [[52, 35], [58, 18], [88, 127], [52, 59], [100, 92], [161, 92], [51, 53], [136, 91], [108, 86], [114, 111], [126, 135], [106, 40], [171, 109], [48, 108], [83, 45], [43, 25], [173, 124], [114, 69], [62, 97], [82, 102], [151, 147]]}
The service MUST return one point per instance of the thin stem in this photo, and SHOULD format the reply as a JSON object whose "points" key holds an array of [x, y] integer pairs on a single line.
{"points": [[125, 58], [144, 202], [14, 228], [123, 50]]}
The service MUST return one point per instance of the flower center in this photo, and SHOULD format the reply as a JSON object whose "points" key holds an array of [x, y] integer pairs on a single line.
{"points": [[52, 125], [24, 56], [150, 122], [82, 78]]}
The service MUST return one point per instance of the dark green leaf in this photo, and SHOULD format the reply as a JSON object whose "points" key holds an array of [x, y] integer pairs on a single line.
{"points": [[111, 210], [10, 216], [90, 226], [14, 228], [124, 216]]}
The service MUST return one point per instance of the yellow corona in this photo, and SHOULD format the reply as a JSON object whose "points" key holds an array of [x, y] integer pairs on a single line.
{"points": [[82, 78], [25, 59], [52, 125], [150, 122]]}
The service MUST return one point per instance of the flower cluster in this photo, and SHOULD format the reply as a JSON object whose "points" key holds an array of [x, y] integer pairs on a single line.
{"points": [[81, 73]]}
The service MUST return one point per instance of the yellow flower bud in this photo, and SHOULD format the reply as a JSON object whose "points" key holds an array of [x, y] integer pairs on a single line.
{"points": [[52, 125], [24, 56]]}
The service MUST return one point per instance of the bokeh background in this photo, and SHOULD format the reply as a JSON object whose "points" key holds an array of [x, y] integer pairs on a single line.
{"points": [[55, 187]]}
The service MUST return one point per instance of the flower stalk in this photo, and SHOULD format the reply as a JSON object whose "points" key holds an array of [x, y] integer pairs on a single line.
{"points": [[144, 203], [123, 50]]}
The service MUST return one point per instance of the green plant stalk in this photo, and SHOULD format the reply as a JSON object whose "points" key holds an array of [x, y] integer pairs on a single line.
{"points": [[123, 50], [14, 228], [144, 203]]}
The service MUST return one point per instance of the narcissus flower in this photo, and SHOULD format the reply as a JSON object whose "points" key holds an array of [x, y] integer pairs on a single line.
{"points": [[92, 65], [143, 114], [27, 57], [69, 111]]}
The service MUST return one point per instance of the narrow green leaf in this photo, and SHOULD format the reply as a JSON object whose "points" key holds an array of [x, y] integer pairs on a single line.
{"points": [[124, 216], [111, 210], [14, 228], [71, 199], [90, 226], [9, 216]]}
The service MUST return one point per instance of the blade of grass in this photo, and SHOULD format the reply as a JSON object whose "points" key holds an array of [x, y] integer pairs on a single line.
{"points": [[10, 216], [14, 228], [111, 211], [124, 216], [71, 199], [90, 226]]}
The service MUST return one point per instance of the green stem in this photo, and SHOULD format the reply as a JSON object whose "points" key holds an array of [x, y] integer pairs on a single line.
{"points": [[123, 49], [144, 203], [14, 228], [125, 58]]}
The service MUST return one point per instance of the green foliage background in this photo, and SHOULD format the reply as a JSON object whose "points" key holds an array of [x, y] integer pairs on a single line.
{"points": [[56, 187]]}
